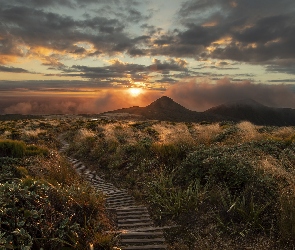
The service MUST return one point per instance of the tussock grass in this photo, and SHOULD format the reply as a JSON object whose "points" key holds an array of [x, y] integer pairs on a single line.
{"points": [[242, 171], [205, 134], [248, 132], [227, 185]]}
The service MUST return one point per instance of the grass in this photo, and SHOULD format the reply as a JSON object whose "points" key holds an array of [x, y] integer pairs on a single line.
{"points": [[223, 185], [44, 203], [226, 176]]}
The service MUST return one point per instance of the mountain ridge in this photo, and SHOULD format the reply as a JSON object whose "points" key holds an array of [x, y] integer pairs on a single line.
{"points": [[165, 108]]}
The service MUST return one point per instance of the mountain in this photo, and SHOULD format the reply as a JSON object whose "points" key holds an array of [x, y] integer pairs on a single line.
{"points": [[250, 110], [166, 109], [163, 108]]}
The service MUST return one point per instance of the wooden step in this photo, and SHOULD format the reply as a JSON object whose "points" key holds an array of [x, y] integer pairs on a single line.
{"points": [[134, 220], [139, 224], [138, 232], [132, 216], [136, 241], [133, 234], [146, 247]]}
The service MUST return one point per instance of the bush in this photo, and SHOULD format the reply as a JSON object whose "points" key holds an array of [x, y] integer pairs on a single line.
{"points": [[36, 214], [32, 150], [170, 200], [10, 148]]}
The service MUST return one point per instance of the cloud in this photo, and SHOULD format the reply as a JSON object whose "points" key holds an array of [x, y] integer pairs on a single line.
{"points": [[58, 31], [24, 29], [119, 71], [282, 66], [256, 33], [204, 95], [192, 94], [66, 104], [50, 85], [12, 69]]}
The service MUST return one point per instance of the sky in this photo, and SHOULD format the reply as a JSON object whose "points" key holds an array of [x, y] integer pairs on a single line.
{"points": [[92, 56]]}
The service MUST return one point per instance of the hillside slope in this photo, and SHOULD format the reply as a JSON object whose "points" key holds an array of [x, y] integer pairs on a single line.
{"points": [[165, 109]]}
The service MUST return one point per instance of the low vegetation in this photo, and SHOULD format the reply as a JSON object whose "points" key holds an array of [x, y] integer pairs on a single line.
{"points": [[226, 185], [44, 203], [214, 185]]}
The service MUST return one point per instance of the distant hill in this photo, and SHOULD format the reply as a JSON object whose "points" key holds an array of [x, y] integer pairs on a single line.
{"points": [[254, 112], [166, 109]]}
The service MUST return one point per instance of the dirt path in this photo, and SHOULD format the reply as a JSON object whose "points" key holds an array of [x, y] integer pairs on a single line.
{"points": [[137, 230]]}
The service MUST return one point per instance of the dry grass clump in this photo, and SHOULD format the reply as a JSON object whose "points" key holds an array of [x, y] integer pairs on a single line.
{"points": [[171, 133], [84, 133], [204, 134], [248, 131], [33, 133], [284, 133], [274, 168], [109, 131]]}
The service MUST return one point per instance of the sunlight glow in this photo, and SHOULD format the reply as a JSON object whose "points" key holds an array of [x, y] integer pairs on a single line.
{"points": [[135, 91]]}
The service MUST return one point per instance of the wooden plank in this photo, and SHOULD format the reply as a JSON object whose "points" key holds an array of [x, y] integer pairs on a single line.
{"points": [[110, 198], [147, 229], [131, 216], [120, 199], [147, 247], [152, 240], [132, 208], [127, 212], [135, 225], [141, 234], [134, 220]]}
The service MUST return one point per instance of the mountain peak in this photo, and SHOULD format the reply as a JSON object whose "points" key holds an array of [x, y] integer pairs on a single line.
{"points": [[164, 99], [167, 103]]}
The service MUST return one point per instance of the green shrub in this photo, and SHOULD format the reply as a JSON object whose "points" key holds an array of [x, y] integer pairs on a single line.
{"points": [[169, 154], [35, 214], [10, 148], [32, 150], [170, 200], [244, 213]]}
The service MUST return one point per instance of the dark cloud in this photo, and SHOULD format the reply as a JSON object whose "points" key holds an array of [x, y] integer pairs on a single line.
{"points": [[61, 33], [166, 79], [12, 69], [51, 85], [27, 27], [282, 66], [125, 71], [284, 81], [204, 95], [257, 35], [258, 32]]}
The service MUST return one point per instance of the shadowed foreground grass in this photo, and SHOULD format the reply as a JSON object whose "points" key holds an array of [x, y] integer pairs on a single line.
{"points": [[44, 203]]}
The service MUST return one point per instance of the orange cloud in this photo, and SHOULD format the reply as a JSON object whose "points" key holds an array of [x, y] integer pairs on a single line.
{"points": [[68, 104]]}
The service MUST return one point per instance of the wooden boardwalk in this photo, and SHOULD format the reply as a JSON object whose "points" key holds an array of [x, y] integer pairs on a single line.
{"points": [[136, 228]]}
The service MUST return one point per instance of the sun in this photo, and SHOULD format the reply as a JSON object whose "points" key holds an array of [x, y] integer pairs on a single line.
{"points": [[135, 91]]}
